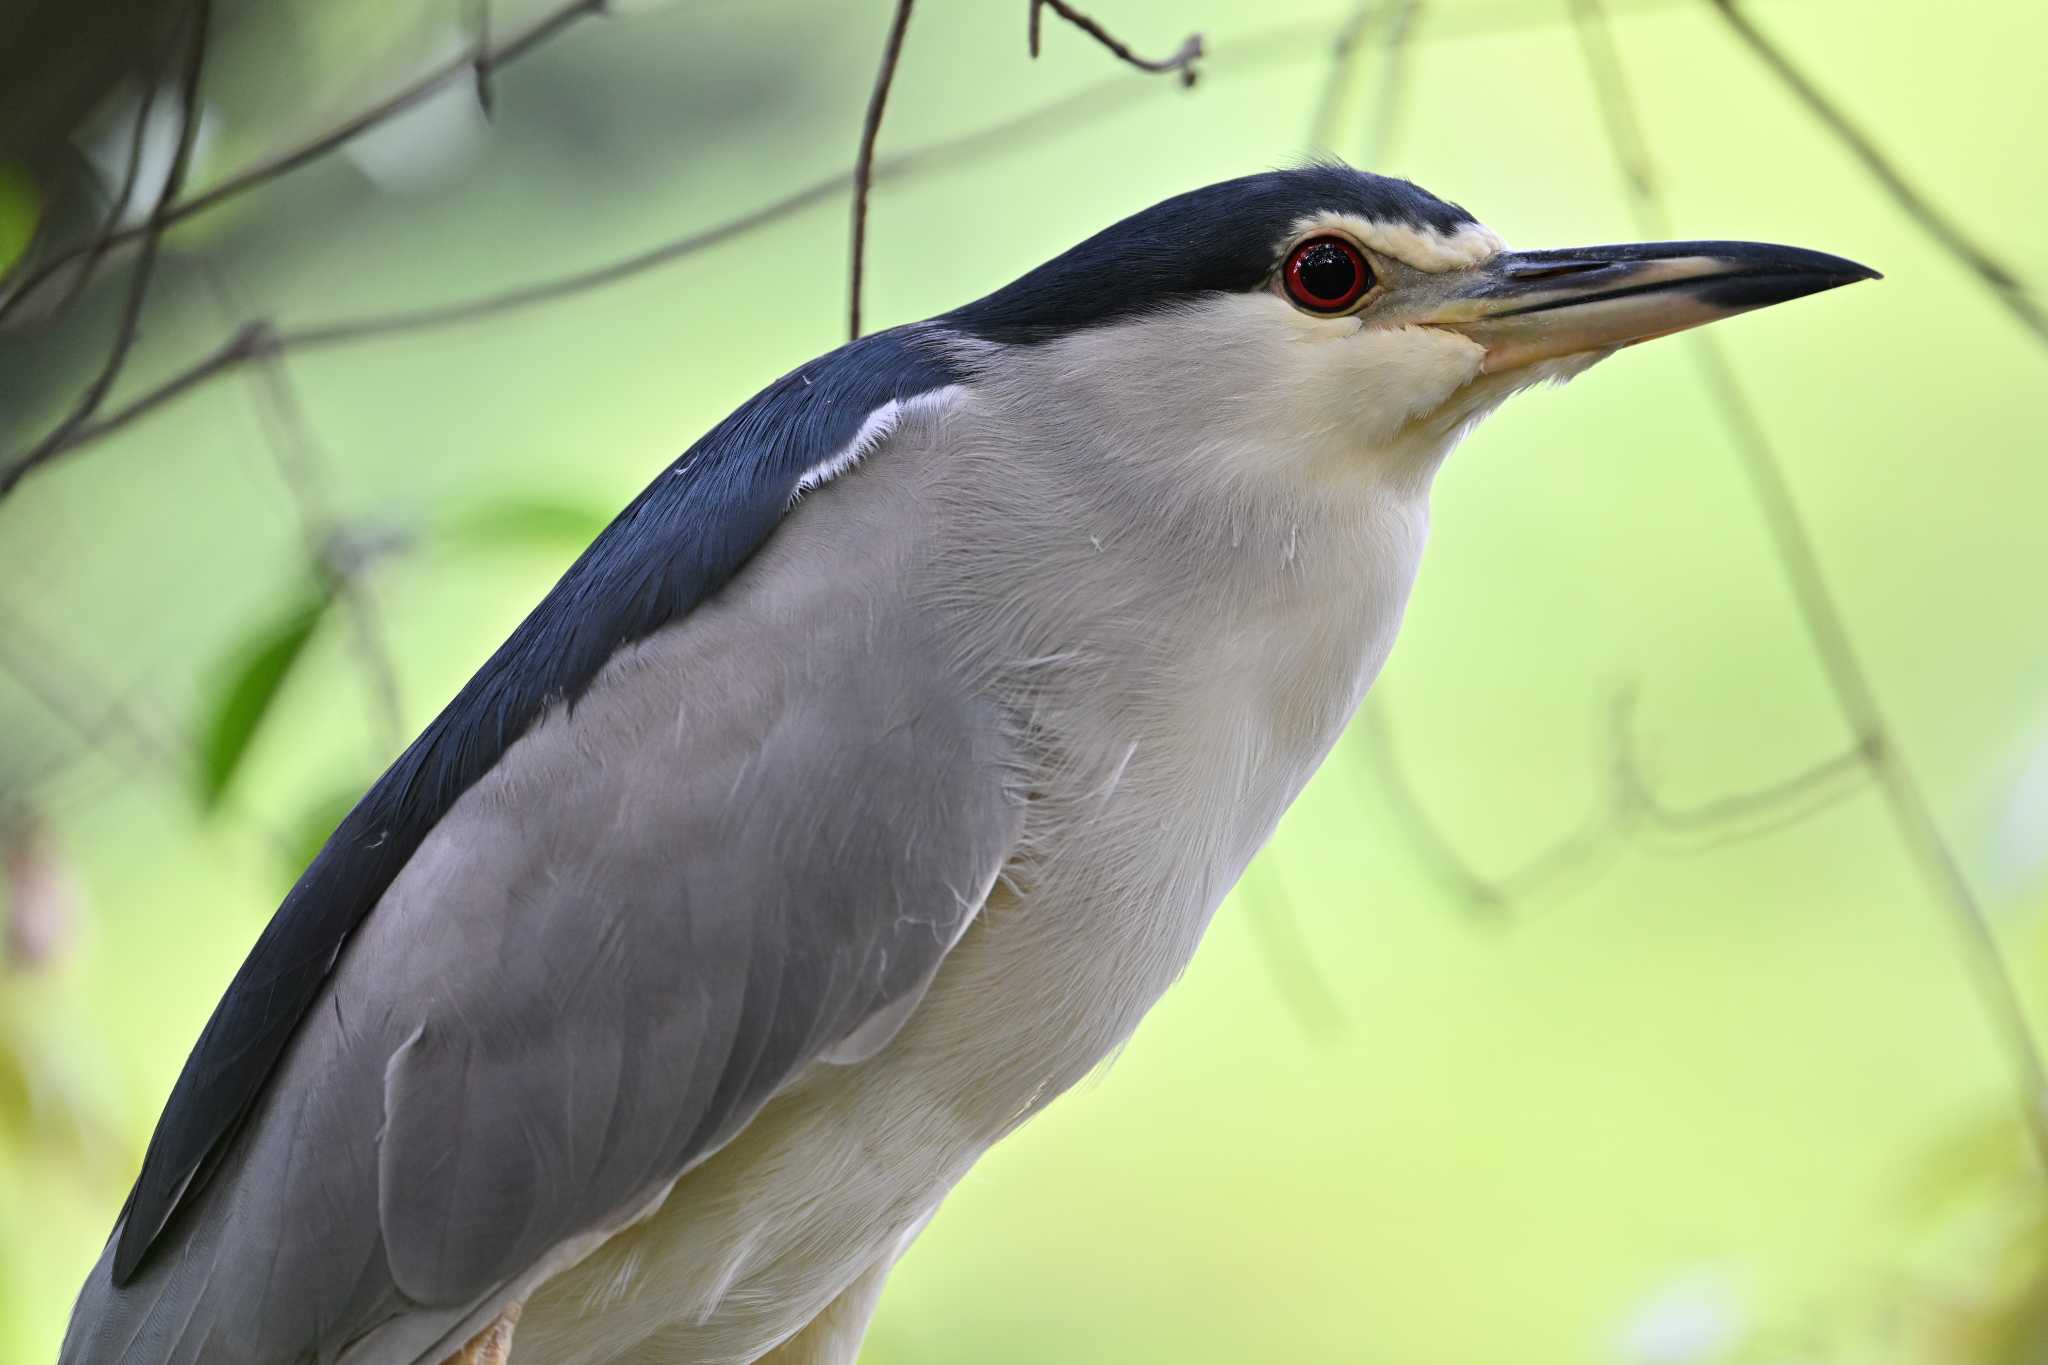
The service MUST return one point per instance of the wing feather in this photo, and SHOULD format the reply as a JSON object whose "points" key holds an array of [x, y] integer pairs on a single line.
{"points": [[740, 851]]}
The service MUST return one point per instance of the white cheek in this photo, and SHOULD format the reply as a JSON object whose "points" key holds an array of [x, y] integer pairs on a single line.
{"points": [[1378, 380], [1246, 386]]}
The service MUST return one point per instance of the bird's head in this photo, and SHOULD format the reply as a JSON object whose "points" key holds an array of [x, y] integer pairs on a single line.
{"points": [[1338, 321]]}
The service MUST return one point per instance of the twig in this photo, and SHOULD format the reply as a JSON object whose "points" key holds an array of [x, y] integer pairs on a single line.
{"points": [[1911, 814], [1287, 955], [40, 666], [2002, 283], [336, 553], [482, 63], [43, 669], [1491, 898], [1393, 82], [145, 105], [257, 340], [496, 58], [864, 163], [1275, 47], [1439, 852], [303, 470], [1725, 819], [1183, 60], [1344, 52], [125, 327]]}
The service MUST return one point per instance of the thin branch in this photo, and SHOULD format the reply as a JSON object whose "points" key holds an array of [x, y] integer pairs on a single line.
{"points": [[1183, 60], [1393, 87], [481, 64], [1735, 816], [1303, 987], [256, 340], [63, 686], [493, 59], [1350, 41], [1439, 851], [1490, 897], [102, 242], [864, 163], [1911, 813], [36, 662], [1625, 134], [1279, 46], [125, 327], [2000, 281], [303, 468], [340, 556]]}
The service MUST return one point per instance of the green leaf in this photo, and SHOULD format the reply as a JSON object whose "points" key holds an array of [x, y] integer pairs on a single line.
{"points": [[254, 680], [530, 523], [19, 209], [17, 1106]]}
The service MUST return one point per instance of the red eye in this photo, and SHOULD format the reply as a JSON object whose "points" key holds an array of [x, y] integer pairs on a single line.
{"points": [[1326, 275]]}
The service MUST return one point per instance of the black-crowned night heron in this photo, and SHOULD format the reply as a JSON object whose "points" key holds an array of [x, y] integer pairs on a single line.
{"points": [[855, 794]]}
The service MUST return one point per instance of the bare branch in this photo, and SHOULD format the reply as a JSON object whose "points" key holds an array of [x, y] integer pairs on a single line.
{"points": [[1911, 814], [864, 163], [336, 552], [482, 64], [491, 59], [1739, 815], [1439, 851], [1393, 84], [1303, 988], [105, 723], [40, 666], [1275, 47], [1183, 60], [1322, 126], [303, 467], [258, 339], [1618, 112], [125, 326], [102, 241], [1395, 52], [2001, 282]]}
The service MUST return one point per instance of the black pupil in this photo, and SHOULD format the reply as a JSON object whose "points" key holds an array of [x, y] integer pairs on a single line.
{"points": [[1327, 271]]}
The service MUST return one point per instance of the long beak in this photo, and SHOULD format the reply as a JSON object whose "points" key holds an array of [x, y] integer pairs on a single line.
{"points": [[1525, 306]]}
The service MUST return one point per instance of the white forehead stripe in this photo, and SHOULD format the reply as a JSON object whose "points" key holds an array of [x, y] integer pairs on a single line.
{"points": [[1423, 248]]}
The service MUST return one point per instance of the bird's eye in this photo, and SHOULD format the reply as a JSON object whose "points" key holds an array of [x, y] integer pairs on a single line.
{"points": [[1326, 275]]}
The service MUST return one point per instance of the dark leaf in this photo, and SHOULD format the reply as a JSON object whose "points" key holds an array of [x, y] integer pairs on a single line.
{"points": [[253, 683], [18, 212]]}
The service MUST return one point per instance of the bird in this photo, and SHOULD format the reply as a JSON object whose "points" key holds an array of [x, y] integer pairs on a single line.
{"points": [[853, 795]]}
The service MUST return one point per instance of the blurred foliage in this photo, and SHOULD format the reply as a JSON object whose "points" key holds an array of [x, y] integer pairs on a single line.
{"points": [[1732, 1104], [17, 214], [263, 664]]}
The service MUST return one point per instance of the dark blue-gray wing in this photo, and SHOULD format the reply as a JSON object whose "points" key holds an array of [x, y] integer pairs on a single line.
{"points": [[757, 834], [680, 540]]}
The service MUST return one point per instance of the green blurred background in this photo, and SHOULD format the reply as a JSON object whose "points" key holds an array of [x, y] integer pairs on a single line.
{"points": [[1669, 1100]]}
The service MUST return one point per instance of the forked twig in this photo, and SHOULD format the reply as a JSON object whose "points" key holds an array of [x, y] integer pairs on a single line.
{"points": [[1182, 60], [1912, 816], [285, 162], [59, 436]]}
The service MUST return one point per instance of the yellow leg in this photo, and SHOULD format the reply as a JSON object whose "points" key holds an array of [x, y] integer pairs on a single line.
{"points": [[493, 1345]]}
